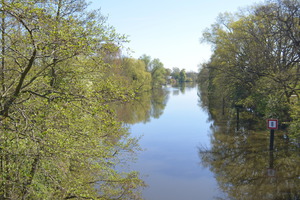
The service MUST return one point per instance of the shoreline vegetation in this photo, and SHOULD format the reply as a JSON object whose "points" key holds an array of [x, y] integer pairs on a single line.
{"points": [[61, 69], [254, 68], [253, 75]]}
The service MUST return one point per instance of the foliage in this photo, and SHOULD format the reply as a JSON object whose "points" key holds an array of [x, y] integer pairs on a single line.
{"points": [[147, 61], [158, 73], [157, 70], [295, 126], [59, 138], [255, 63], [182, 76], [135, 70], [252, 75], [176, 73]]}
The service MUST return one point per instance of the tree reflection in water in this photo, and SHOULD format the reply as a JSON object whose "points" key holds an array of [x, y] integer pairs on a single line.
{"points": [[241, 161], [246, 169], [148, 105]]}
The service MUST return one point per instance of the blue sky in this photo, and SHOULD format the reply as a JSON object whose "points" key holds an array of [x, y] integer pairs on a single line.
{"points": [[167, 29]]}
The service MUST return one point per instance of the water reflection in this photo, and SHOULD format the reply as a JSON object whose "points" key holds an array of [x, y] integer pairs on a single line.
{"points": [[149, 105], [170, 162], [182, 87], [241, 161], [245, 169]]}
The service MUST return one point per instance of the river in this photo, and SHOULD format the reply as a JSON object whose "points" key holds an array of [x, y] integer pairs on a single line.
{"points": [[170, 163], [190, 154]]}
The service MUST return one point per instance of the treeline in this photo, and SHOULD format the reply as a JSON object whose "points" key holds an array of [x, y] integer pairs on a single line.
{"points": [[59, 139], [180, 76], [146, 73], [255, 62], [61, 69]]}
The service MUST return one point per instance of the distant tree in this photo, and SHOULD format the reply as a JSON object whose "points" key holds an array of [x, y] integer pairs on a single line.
{"points": [[182, 76], [175, 73], [147, 61], [139, 79], [191, 76], [168, 72], [158, 73]]}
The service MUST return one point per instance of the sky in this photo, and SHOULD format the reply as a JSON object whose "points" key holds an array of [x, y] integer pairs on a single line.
{"points": [[169, 30]]}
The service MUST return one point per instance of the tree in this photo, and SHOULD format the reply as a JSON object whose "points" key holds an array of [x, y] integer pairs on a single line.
{"points": [[157, 70], [175, 73], [254, 61], [59, 138], [158, 73], [135, 70], [147, 61], [191, 76], [182, 76]]}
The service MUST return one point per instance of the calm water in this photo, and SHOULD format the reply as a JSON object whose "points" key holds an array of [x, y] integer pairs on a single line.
{"points": [[187, 157], [170, 164]]}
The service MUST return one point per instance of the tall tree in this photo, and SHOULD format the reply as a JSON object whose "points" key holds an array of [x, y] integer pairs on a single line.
{"points": [[254, 62], [59, 139], [182, 76], [147, 61], [135, 70], [158, 73]]}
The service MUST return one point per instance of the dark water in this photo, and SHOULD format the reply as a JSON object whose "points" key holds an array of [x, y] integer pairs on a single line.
{"points": [[191, 156], [170, 163]]}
